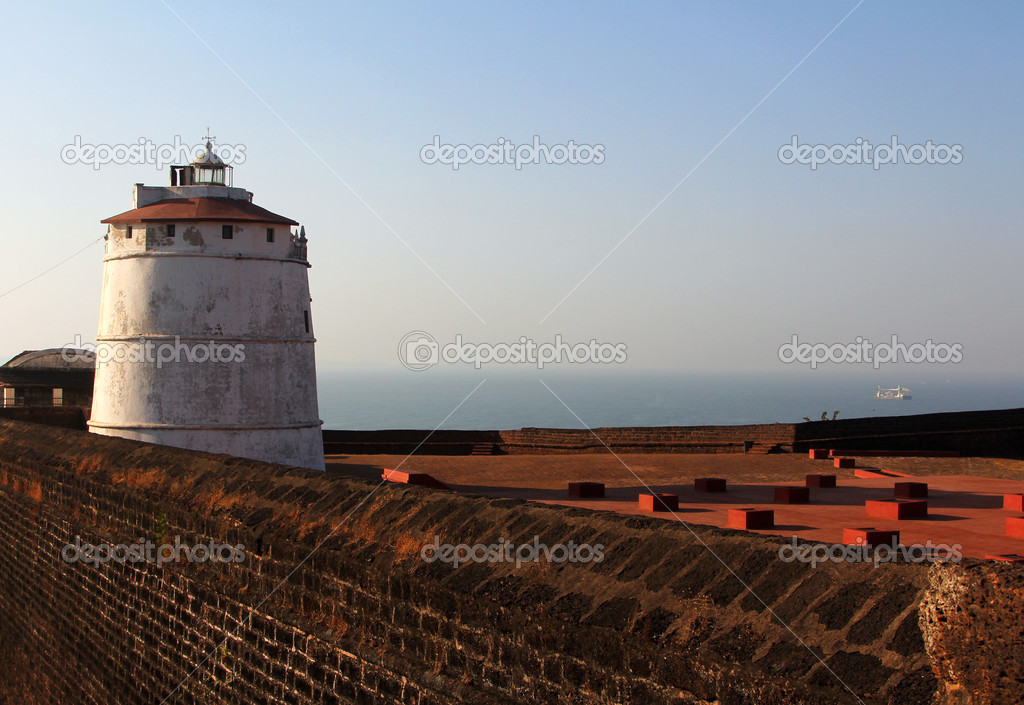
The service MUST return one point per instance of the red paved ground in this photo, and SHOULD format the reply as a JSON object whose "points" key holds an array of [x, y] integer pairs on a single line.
{"points": [[965, 495]]}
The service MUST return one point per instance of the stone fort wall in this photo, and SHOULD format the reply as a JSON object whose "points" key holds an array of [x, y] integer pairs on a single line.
{"points": [[987, 433], [333, 603]]}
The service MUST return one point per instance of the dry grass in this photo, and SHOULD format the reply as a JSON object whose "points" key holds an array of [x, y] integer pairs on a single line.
{"points": [[305, 529], [217, 500], [407, 546], [137, 479], [90, 464], [289, 520], [336, 624], [35, 490]]}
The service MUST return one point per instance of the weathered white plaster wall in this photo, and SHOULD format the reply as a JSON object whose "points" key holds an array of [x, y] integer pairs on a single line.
{"points": [[164, 298]]}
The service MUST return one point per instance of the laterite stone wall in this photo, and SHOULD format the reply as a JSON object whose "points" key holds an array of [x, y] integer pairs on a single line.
{"points": [[333, 603]]}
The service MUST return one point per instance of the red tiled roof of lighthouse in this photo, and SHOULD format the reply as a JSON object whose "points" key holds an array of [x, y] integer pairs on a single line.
{"points": [[199, 209]]}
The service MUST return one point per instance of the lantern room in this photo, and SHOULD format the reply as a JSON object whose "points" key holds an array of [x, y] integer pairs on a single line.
{"points": [[206, 169]]}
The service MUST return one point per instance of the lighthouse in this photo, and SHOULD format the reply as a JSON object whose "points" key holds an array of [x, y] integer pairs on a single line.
{"points": [[205, 334]]}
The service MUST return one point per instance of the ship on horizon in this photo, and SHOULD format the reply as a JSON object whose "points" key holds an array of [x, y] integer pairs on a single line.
{"points": [[897, 393]]}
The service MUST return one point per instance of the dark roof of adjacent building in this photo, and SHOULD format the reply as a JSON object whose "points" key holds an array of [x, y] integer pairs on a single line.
{"points": [[62, 379], [54, 359], [199, 209]]}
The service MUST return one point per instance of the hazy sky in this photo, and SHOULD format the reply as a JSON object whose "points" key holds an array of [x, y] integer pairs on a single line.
{"points": [[334, 101]]}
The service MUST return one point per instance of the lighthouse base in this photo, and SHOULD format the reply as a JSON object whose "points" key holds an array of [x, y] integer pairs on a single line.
{"points": [[301, 446]]}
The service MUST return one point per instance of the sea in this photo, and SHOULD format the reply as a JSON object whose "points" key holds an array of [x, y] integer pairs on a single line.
{"points": [[487, 400]]}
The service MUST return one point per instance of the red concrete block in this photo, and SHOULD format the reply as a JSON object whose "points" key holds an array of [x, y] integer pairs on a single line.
{"points": [[792, 495], [820, 481], [709, 484], [819, 453], [660, 502], [1013, 502], [1008, 557], [844, 462], [869, 536], [876, 473], [910, 490], [420, 479], [585, 490], [749, 518], [896, 508], [1015, 527]]}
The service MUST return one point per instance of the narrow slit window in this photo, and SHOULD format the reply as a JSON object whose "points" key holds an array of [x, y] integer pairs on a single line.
{"points": [[128, 233], [270, 234], [227, 232], [305, 319]]}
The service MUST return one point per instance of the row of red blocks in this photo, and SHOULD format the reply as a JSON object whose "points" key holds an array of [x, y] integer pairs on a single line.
{"points": [[587, 490], [746, 518], [903, 507]]}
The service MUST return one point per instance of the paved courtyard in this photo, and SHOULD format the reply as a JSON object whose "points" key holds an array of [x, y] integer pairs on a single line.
{"points": [[965, 495]]}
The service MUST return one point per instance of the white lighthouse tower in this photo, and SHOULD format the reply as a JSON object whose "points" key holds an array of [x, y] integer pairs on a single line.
{"points": [[205, 335]]}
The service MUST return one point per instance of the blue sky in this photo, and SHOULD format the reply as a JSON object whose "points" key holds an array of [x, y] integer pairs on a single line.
{"points": [[334, 102]]}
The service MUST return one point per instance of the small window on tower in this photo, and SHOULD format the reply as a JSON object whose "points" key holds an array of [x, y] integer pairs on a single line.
{"points": [[128, 233], [270, 234], [305, 319], [170, 230], [227, 232]]}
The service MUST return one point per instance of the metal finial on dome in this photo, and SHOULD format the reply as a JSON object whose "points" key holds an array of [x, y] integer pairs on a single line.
{"points": [[208, 156]]}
